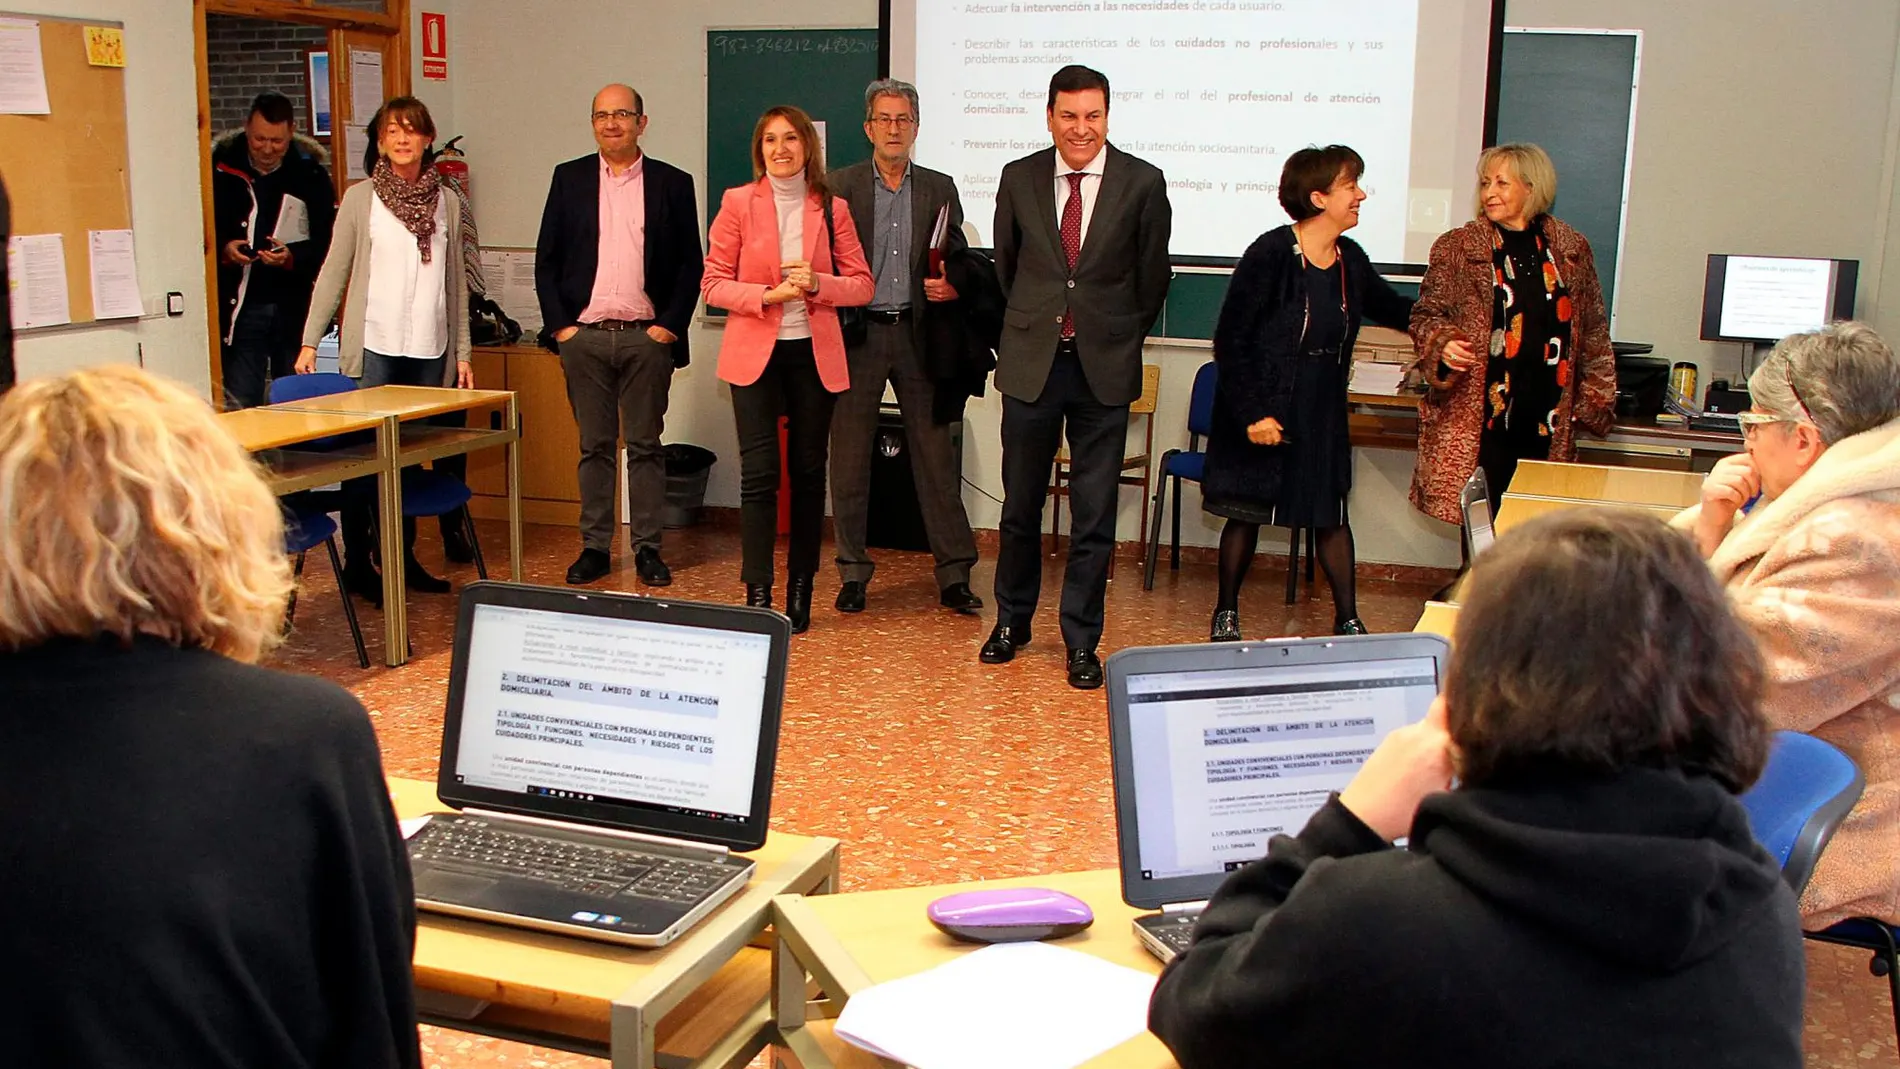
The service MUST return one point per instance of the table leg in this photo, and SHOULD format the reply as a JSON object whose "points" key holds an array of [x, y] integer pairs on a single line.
{"points": [[389, 521], [514, 492], [631, 1038]]}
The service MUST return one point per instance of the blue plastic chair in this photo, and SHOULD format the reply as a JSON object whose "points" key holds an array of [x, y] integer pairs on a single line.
{"points": [[303, 532], [1189, 464], [1179, 464], [1801, 799]]}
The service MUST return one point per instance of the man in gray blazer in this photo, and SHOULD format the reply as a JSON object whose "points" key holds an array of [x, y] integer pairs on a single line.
{"points": [[1082, 252], [895, 205]]}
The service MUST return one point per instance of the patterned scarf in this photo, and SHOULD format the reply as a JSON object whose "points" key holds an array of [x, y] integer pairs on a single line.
{"points": [[411, 202], [1509, 295]]}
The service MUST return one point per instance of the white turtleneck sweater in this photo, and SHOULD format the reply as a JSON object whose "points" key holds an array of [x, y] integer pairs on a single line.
{"points": [[788, 195]]}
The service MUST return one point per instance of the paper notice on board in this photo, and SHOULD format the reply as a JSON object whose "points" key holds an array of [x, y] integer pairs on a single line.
{"points": [[510, 276], [105, 46], [366, 84], [115, 275], [22, 69], [358, 137], [293, 221], [36, 275]]}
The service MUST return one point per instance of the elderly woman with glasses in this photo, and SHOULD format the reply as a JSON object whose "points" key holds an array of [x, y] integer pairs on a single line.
{"points": [[1803, 528]]}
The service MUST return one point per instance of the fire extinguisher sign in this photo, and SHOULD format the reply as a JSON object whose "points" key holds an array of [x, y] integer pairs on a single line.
{"points": [[435, 46]]}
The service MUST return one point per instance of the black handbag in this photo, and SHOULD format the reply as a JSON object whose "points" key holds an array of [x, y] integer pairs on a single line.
{"points": [[489, 325], [850, 320]]}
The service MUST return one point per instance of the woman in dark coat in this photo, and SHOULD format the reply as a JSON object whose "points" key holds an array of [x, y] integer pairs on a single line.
{"points": [[1279, 453]]}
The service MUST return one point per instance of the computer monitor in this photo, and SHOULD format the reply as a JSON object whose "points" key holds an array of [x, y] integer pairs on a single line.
{"points": [[1763, 299]]}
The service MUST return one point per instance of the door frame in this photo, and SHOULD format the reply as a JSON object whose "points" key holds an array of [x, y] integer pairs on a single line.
{"points": [[393, 24]]}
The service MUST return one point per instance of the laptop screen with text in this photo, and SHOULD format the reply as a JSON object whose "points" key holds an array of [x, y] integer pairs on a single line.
{"points": [[1224, 760], [634, 715]]}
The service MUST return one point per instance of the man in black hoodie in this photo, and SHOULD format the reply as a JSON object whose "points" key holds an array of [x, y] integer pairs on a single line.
{"points": [[1589, 894], [268, 252]]}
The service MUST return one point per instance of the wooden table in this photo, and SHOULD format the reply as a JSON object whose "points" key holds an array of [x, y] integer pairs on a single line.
{"points": [[416, 443], [849, 942], [1518, 508], [1595, 482], [704, 999], [265, 432], [1439, 618]]}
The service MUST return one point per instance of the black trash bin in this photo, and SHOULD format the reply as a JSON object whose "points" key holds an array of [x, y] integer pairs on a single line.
{"points": [[896, 521], [687, 469]]}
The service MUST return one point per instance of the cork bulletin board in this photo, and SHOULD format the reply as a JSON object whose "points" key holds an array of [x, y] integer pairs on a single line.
{"points": [[69, 172]]}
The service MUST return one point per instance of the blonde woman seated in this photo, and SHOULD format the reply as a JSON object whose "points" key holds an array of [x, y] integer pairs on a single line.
{"points": [[1804, 530], [202, 866]]}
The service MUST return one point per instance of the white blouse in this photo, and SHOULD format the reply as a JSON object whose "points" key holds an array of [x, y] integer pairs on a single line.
{"points": [[405, 308]]}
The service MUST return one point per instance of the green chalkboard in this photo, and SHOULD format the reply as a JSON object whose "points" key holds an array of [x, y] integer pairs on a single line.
{"points": [[747, 71], [1194, 302]]}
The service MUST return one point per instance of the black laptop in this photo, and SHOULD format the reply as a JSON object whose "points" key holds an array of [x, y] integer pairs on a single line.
{"points": [[608, 755], [1218, 748]]}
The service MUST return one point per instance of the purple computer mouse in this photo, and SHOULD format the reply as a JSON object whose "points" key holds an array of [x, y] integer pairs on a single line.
{"points": [[1010, 915]]}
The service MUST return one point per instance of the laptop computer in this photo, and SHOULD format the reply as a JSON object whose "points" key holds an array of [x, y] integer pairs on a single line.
{"points": [[1218, 748], [608, 755]]}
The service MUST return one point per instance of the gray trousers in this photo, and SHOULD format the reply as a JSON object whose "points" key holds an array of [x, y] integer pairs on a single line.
{"points": [[617, 382], [888, 355]]}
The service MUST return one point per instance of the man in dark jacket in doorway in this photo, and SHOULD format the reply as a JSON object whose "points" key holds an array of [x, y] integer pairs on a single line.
{"points": [[274, 206]]}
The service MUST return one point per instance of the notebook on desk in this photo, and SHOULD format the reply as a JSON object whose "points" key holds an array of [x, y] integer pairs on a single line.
{"points": [[607, 755], [1218, 748]]}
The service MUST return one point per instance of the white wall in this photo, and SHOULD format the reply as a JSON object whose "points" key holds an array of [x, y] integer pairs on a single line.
{"points": [[161, 90], [1761, 126]]}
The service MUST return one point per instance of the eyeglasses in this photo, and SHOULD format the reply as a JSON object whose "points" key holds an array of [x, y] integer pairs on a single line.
{"points": [[898, 122], [1753, 421], [1787, 367], [618, 113]]}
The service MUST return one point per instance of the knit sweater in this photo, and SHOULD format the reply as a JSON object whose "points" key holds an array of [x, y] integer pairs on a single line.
{"points": [[1815, 574]]}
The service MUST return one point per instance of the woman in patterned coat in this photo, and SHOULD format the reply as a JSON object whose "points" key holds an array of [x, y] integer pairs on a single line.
{"points": [[1803, 528], [1513, 343]]}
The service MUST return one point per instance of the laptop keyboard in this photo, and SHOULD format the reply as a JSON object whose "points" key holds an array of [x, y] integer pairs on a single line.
{"points": [[474, 845], [1175, 937]]}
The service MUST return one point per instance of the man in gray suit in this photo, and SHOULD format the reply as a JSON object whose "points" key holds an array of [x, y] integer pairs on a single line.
{"points": [[1082, 252], [895, 205]]}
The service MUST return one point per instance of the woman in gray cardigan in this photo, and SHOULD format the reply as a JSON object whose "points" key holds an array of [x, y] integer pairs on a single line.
{"points": [[399, 238]]}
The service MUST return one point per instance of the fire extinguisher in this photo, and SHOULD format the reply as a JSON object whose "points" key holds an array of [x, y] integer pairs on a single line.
{"points": [[451, 164]]}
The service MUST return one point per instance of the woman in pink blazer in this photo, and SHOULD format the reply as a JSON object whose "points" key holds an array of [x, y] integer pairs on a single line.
{"points": [[782, 270]]}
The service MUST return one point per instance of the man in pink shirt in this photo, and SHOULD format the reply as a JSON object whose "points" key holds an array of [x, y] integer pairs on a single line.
{"points": [[617, 268]]}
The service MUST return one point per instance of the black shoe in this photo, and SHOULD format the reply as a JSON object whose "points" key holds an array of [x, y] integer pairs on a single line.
{"points": [[420, 581], [1085, 669], [851, 596], [1003, 643], [589, 566], [364, 583], [653, 571], [1351, 626], [455, 544], [798, 603], [958, 597], [1226, 626], [758, 595]]}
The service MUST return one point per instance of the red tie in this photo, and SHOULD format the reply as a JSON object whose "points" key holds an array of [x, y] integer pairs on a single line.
{"points": [[1072, 237]]}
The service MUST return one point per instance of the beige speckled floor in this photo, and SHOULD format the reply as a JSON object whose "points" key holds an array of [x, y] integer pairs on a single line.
{"points": [[930, 766]]}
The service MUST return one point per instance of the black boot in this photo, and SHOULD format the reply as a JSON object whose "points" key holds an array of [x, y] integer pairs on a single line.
{"points": [[758, 595], [798, 603]]}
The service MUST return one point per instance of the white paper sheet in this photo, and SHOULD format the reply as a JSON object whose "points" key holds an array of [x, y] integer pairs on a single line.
{"points": [[115, 275], [22, 69], [293, 221], [1373, 377], [366, 84], [413, 825], [36, 276], [358, 137], [510, 275], [1041, 1007]]}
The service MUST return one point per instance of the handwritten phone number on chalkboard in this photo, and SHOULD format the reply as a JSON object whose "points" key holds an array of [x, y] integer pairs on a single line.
{"points": [[790, 43]]}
